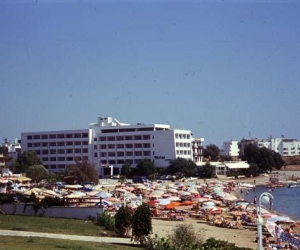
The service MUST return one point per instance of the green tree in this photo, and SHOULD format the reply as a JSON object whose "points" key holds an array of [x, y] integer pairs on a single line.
{"points": [[25, 160], [123, 221], [126, 170], [141, 224], [211, 152], [182, 166], [265, 159], [83, 171], [206, 171], [37, 173], [3, 150], [146, 168]]}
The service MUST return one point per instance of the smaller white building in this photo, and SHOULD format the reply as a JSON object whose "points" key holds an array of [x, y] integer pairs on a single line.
{"points": [[230, 148]]}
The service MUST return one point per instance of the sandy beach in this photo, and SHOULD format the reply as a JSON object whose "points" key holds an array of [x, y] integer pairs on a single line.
{"points": [[244, 237]]}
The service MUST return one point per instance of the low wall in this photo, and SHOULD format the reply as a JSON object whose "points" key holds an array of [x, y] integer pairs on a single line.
{"points": [[58, 212]]}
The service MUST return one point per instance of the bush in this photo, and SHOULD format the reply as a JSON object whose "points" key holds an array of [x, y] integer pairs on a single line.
{"points": [[158, 243], [106, 220], [214, 244], [123, 221], [184, 237], [6, 198], [141, 224]]}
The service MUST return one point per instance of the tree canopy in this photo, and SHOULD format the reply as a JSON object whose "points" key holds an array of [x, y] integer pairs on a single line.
{"points": [[265, 159], [146, 168], [83, 171], [207, 171], [182, 166], [26, 160], [37, 173], [211, 152]]}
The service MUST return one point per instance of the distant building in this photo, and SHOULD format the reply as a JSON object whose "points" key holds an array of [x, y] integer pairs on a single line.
{"points": [[109, 144], [14, 149], [283, 146], [230, 148]]}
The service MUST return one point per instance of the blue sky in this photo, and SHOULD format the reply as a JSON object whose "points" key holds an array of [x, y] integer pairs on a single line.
{"points": [[223, 69]]}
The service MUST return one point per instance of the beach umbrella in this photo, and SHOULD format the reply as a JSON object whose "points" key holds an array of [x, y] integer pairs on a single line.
{"points": [[187, 203], [173, 190], [155, 195], [163, 202], [174, 198], [193, 191], [103, 195], [76, 194], [120, 190], [280, 218], [172, 205], [131, 196], [50, 192], [184, 193]]}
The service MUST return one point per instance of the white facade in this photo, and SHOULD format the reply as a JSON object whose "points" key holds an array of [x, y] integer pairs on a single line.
{"points": [[283, 146], [230, 148], [115, 144], [57, 149], [110, 144], [14, 149]]}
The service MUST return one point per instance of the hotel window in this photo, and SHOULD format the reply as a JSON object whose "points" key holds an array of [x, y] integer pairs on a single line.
{"points": [[69, 136], [146, 137], [138, 153], [52, 136], [45, 159], [44, 152], [120, 138], [38, 152], [111, 154], [85, 135], [128, 138], [188, 136], [103, 146], [77, 150], [77, 135], [61, 136], [52, 158], [85, 150], [77, 143], [52, 144], [120, 154], [61, 158], [112, 162], [129, 161], [103, 154], [121, 161], [102, 138], [138, 137], [95, 139], [147, 145], [36, 137], [36, 144], [69, 143], [53, 151], [137, 161], [70, 151], [44, 136], [45, 144], [29, 137], [60, 144], [111, 146], [60, 151], [176, 136], [103, 162], [129, 153], [111, 138], [129, 146], [61, 166], [147, 153], [85, 143], [69, 158], [138, 145], [95, 155], [29, 145], [120, 145], [95, 146]]}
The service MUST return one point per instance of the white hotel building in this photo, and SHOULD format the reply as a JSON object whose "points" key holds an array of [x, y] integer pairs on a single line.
{"points": [[108, 144]]}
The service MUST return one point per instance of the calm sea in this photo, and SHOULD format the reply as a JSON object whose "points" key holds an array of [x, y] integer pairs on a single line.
{"points": [[286, 200]]}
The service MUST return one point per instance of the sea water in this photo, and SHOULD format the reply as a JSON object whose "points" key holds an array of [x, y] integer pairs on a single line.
{"points": [[286, 200]]}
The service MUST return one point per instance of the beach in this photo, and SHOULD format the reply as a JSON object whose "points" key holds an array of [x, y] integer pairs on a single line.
{"points": [[244, 236]]}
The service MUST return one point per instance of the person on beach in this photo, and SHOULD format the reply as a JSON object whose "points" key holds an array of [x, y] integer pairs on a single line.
{"points": [[254, 201], [278, 231]]}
